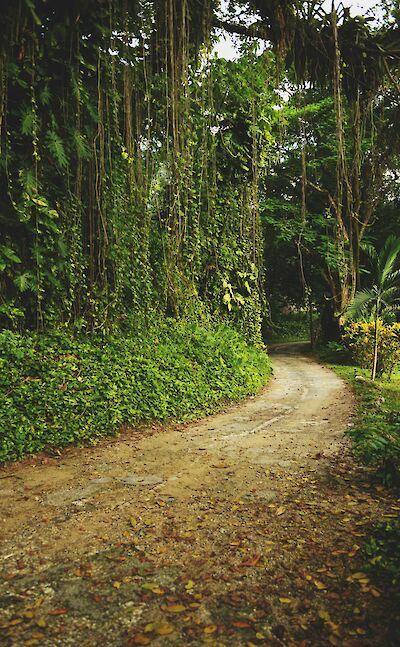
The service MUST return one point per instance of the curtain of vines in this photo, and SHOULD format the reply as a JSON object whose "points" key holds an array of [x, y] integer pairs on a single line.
{"points": [[117, 205]]}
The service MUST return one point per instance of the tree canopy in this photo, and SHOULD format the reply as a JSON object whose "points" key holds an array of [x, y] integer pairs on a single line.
{"points": [[133, 163]]}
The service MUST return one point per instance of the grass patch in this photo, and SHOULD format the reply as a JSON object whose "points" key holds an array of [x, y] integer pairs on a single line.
{"points": [[57, 389], [376, 442], [376, 434]]}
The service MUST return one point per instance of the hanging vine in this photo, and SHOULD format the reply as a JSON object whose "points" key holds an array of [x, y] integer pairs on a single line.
{"points": [[126, 204]]}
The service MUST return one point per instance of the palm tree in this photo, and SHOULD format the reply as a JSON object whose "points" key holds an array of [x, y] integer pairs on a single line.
{"points": [[383, 294]]}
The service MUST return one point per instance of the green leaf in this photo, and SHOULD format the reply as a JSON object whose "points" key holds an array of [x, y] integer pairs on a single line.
{"points": [[56, 148], [9, 254], [24, 281]]}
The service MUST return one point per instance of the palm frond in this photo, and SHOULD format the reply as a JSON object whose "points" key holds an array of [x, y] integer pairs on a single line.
{"points": [[394, 278], [388, 257], [388, 295], [362, 299], [369, 250]]}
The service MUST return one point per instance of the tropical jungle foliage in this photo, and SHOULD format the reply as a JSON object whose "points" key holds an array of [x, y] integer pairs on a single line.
{"points": [[381, 298], [57, 389], [146, 183], [129, 170], [125, 193]]}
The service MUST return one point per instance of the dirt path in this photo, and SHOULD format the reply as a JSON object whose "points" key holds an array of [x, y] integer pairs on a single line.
{"points": [[242, 529]]}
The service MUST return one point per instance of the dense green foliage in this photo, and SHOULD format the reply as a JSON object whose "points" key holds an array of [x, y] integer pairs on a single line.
{"points": [[290, 326], [380, 301], [383, 551], [315, 246], [129, 168], [376, 438], [57, 389], [142, 179], [376, 434], [131, 160], [359, 337]]}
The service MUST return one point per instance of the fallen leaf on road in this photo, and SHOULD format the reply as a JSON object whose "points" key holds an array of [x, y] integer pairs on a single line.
{"points": [[375, 592], [153, 587], [164, 629], [251, 562], [240, 624], [41, 622], [139, 639], [210, 629], [173, 608], [324, 615]]}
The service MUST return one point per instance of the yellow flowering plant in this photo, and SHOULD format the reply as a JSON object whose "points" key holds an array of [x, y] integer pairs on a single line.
{"points": [[359, 338]]}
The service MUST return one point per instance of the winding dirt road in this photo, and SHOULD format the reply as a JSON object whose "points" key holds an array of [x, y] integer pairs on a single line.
{"points": [[241, 529]]}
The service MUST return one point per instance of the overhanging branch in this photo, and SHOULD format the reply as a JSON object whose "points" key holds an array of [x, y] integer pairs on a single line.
{"points": [[256, 30]]}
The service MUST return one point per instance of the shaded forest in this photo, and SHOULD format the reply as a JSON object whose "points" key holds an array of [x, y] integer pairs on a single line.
{"points": [[150, 188], [121, 203], [180, 231], [139, 172]]}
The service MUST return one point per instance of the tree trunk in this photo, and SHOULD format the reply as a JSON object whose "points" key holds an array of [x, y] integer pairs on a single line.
{"points": [[330, 329], [311, 321], [375, 362]]}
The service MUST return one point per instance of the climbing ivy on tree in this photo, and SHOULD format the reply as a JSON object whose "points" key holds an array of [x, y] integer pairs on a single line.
{"points": [[130, 166]]}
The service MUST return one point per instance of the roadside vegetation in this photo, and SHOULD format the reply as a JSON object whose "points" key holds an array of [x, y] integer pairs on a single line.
{"points": [[368, 358], [376, 434], [375, 439], [60, 389]]}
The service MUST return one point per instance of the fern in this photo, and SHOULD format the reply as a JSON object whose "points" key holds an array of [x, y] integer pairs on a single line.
{"points": [[24, 281], [45, 95], [82, 147], [28, 181], [27, 122], [56, 148]]}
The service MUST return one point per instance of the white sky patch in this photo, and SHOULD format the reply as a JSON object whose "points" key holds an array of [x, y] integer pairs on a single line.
{"points": [[226, 47]]}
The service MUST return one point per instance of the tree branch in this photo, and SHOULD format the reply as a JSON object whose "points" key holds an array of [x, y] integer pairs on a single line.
{"points": [[256, 30]]}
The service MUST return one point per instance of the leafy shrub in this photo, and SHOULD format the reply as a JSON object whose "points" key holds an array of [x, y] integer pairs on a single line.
{"points": [[383, 550], [359, 337], [335, 352], [376, 436], [57, 389]]}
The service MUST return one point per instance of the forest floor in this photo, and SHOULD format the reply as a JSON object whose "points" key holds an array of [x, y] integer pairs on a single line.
{"points": [[245, 528]]}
